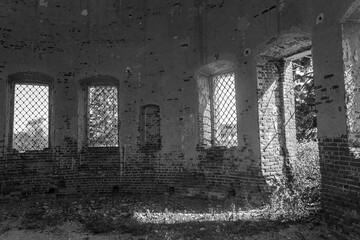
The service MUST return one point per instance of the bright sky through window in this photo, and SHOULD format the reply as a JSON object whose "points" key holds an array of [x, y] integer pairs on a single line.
{"points": [[225, 119], [31, 117]]}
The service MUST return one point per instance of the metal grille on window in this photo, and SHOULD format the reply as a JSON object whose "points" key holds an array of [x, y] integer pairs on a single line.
{"points": [[225, 120], [102, 116], [31, 117]]}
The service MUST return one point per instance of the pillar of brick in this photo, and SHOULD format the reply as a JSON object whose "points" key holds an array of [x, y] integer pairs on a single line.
{"points": [[287, 112], [337, 119], [276, 118], [269, 118]]}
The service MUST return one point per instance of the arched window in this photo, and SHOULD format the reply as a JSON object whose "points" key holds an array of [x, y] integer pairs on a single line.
{"points": [[99, 100], [30, 123], [217, 105]]}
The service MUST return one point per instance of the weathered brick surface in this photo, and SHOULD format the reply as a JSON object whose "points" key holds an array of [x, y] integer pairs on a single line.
{"points": [[154, 49], [270, 121], [276, 117], [26, 174], [340, 170]]}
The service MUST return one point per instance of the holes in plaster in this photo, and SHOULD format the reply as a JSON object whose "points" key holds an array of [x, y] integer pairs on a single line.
{"points": [[320, 18], [247, 52], [115, 189], [232, 193], [128, 72], [328, 76], [171, 190], [51, 190], [265, 11]]}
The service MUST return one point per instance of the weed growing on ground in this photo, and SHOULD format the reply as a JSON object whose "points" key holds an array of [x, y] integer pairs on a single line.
{"points": [[300, 197]]}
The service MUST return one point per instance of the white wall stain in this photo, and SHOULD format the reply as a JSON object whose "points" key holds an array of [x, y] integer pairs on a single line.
{"points": [[84, 12]]}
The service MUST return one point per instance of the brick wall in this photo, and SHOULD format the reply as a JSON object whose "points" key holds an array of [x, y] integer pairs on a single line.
{"points": [[276, 117], [26, 174], [340, 154], [154, 52], [269, 118], [336, 81], [340, 169]]}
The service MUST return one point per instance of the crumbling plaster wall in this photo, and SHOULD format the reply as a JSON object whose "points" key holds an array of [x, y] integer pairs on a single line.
{"points": [[154, 49]]}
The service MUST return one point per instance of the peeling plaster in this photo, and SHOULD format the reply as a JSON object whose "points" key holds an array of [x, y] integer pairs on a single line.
{"points": [[111, 35]]}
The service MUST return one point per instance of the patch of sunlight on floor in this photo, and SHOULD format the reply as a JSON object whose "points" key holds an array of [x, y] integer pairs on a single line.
{"points": [[168, 217]]}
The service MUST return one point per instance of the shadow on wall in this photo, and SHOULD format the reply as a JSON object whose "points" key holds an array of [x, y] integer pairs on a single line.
{"points": [[276, 104], [339, 160]]}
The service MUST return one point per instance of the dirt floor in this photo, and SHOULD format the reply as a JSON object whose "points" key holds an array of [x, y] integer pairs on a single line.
{"points": [[142, 217]]}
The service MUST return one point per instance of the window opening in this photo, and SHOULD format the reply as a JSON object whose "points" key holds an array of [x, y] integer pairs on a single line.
{"points": [[102, 116], [306, 168], [305, 112], [223, 110], [31, 117]]}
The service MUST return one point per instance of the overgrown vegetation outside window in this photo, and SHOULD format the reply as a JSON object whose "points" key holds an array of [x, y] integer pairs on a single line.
{"points": [[31, 117], [304, 192], [102, 116], [305, 112]]}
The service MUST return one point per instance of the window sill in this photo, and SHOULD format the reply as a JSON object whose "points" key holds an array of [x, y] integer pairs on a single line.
{"points": [[14, 151], [110, 150], [215, 148]]}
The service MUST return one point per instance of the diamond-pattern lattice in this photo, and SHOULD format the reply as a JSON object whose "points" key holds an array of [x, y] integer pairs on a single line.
{"points": [[225, 120], [103, 116], [31, 117]]}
